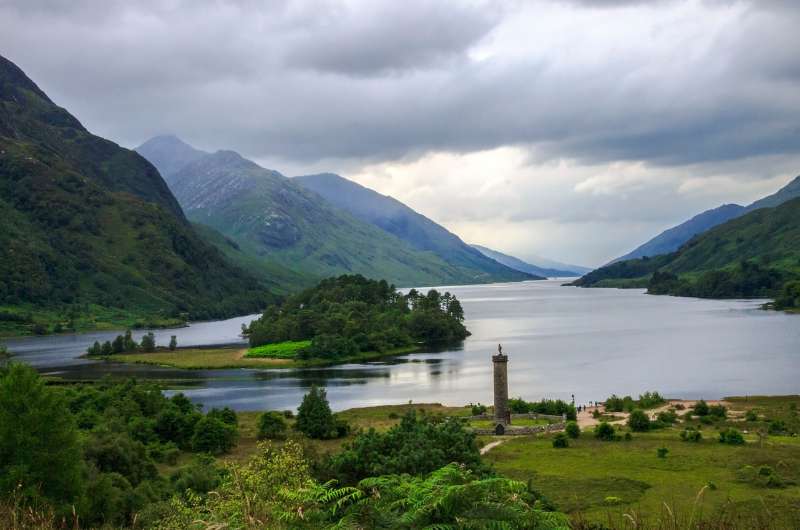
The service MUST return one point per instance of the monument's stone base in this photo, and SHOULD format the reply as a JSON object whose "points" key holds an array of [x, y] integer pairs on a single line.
{"points": [[510, 430]]}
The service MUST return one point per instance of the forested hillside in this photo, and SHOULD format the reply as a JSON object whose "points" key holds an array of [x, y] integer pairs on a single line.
{"points": [[90, 232], [756, 255], [422, 233]]}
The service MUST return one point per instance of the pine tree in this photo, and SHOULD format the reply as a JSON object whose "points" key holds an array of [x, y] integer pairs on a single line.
{"points": [[173, 343], [149, 343], [314, 417]]}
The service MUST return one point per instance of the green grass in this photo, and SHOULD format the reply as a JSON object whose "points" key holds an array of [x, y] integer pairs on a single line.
{"points": [[490, 424], [281, 350], [580, 478], [233, 357]]}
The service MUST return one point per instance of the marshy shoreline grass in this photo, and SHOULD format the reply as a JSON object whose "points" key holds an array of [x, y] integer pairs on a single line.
{"points": [[235, 356]]}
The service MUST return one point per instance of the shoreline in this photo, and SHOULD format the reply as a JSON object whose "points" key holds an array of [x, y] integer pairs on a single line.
{"points": [[233, 357]]}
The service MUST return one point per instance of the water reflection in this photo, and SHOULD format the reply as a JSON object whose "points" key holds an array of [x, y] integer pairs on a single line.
{"points": [[590, 342]]}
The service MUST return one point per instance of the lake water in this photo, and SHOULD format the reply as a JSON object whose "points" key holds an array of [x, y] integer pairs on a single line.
{"points": [[560, 341]]}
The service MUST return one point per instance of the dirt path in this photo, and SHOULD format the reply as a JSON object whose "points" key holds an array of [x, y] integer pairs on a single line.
{"points": [[491, 445]]}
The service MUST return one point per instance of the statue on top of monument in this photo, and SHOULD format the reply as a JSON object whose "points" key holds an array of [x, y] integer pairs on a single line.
{"points": [[500, 349]]}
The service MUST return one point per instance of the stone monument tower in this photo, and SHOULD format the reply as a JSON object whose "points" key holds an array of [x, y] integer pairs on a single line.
{"points": [[502, 416]]}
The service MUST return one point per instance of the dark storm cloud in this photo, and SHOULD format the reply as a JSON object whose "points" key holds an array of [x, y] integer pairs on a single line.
{"points": [[385, 80]]}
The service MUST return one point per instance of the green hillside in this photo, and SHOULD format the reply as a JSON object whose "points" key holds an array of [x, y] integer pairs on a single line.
{"points": [[756, 255], [421, 233], [89, 232], [288, 233]]}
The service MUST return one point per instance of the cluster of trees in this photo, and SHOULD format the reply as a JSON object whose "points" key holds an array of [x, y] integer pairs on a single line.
{"points": [[747, 279], [626, 404], [94, 448], [553, 407], [277, 489], [127, 344], [350, 314], [789, 297], [418, 445]]}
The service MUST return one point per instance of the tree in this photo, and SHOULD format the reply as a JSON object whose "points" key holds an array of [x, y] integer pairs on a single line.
{"points": [[418, 445], [214, 436], [701, 408], [39, 445], [271, 425], [118, 346], [149, 343], [106, 349], [639, 421], [314, 417], [173, 343]]}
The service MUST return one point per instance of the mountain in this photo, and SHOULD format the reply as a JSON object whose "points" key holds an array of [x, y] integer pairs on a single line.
{"points": [[753, 255], [278, 225], [518, 264], [88, 227], [169, 153], [671, 239], [421, 233]]}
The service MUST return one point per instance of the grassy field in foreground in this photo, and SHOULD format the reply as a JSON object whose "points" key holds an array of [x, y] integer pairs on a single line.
{"points": [[234, 357], [601, 481]]}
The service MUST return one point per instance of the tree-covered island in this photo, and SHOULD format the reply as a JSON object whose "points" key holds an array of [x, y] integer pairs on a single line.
{"points": [[351, 315]]}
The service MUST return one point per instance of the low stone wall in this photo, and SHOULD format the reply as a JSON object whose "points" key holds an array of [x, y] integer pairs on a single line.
{"points": [[519, 431]]}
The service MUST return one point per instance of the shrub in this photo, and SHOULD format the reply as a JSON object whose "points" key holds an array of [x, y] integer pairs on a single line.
{"points": [[751, 415], [691, 435], [572, 429], [201, 476], [680, 406], [605, 431], [661, 452], [746, 474], [314, 417], [701, 408], [777, 427], [417, 445], [596, 414], [628, 437], [478, 409], [560, 441], [718, 412], [288, 414], [638, 421], [271, 426], [214, 436], [667, 417], [706, 420], [731, 436]]}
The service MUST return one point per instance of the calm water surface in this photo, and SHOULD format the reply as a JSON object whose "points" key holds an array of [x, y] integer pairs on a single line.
{"points": [[560, 341]]}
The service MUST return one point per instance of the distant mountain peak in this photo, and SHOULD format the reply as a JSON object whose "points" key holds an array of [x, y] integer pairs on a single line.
{"points": [[169, 153]]}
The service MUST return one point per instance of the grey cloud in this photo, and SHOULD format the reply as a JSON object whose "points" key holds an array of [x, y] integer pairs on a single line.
{"points": [[379, 81]]}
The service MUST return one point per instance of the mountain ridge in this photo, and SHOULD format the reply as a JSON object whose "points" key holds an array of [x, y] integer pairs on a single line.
{"points": [[398, 219], [524, 266], [90, 227]]}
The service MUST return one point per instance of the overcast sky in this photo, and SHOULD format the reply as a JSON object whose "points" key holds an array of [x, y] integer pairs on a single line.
{"points": [[570, 129]]}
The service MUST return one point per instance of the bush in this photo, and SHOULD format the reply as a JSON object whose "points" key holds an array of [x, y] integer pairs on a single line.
{"points": [[667, 417], [661, 452], [718, 412], [731, 436], [314, 417], [213, 436], [777, 427], [572, 429], [751, 415], [271, 426], [691, 435], [201, 476], [701, 408], [478, 409], [560, 441], [638, 421], [417, 445], [605, 431], [628, 437]]}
